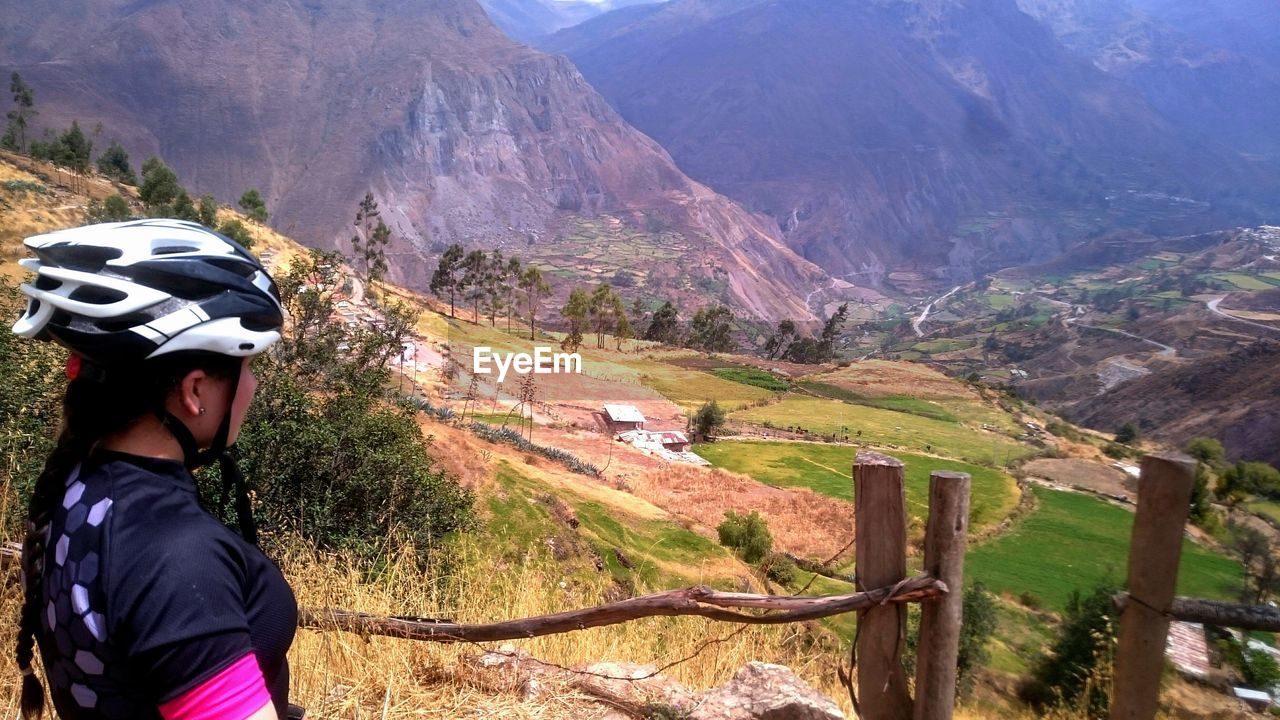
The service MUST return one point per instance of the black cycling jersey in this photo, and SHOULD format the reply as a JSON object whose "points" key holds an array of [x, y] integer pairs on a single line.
{"points": [[146, 595]]}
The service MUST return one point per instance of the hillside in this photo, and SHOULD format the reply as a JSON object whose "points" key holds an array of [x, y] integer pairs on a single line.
{"points": [[461, 134], [554, 535], [942, 138], [526, 20]]}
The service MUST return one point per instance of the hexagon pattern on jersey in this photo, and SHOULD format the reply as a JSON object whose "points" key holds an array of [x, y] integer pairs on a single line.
{"points": [[73, 643]]}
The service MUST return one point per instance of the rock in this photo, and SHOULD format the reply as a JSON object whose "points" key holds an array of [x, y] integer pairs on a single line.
{"points": [[760, 691], [532, 689], [634, 685]]}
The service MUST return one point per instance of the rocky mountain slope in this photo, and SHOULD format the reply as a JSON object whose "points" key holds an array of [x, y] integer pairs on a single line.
{"points": [[1212, 66], [933, 135], [462, 134]]}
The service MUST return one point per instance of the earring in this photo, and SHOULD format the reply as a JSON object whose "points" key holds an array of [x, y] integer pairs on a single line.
{"points": [[201, 411]]}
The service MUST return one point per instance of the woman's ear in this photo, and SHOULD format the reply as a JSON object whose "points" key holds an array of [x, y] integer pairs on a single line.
{"points": [[193, 390]]}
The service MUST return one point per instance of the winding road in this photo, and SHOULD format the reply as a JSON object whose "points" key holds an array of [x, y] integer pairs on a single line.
{"points": [[1213, 308], [924, 315]]}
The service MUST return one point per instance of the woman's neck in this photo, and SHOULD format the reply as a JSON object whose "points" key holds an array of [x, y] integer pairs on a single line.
{"points": [[147, 437]]}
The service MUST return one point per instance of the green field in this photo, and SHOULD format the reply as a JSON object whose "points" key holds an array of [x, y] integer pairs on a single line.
{"points": [[1269, 508], [1072, 542], [828, 469], [1245, 282], [752, 376], [1000, 301], [941, 346], [882, 427]]}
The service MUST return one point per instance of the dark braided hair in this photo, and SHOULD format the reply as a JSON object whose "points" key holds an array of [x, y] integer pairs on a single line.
{"points": [[98, 403]]}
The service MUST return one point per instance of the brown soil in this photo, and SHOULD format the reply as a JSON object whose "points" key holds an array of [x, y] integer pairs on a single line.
{"points": [[1093, 476]]}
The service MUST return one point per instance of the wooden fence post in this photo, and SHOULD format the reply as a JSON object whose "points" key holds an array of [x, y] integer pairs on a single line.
{"points": [[1164, 498], [944, 545], [880, 516]]}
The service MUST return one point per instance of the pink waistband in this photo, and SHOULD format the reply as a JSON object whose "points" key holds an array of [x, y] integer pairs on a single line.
{"points": [[233, 694]]}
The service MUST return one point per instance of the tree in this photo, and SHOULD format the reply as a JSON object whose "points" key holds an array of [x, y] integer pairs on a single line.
{"points": [[184, 208], [1127, 434], [709, 419], [535, 288], [1083, 647], [236, 230], [448, 274], [72, 150], [748, 534], [495, 280], [255, 208], [366, 213], [15, 136], [622, 331], [781, 339], [1261, 570], [159, 187], [475, 266], [114, 163], [600, 308], [712, 330], [576, 311], [207, 211], [978, 624], [1250, 477], [511, 281], [113, 209], [665, 325], [375, 252], [1208, 451], [827, 343]]}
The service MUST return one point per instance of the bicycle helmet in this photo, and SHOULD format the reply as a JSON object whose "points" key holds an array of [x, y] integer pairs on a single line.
{"points": [[120, 293]]}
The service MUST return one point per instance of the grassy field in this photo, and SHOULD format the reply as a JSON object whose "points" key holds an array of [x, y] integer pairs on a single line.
{"points": [[1245, 282], [691, 388], [883, 427], [828, 469], [1072, 542], [1270, 508], [900, 403]]}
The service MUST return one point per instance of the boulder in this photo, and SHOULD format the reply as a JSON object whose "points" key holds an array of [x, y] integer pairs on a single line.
{"points": [[761, 691]]}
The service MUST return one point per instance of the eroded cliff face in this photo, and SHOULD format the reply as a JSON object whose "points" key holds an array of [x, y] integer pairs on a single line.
{"points": [[462, 135]]}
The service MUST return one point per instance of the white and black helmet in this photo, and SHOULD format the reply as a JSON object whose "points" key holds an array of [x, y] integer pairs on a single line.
{"points": [[120, 293]]}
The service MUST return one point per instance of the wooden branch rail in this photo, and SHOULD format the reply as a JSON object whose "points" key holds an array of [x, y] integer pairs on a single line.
{"points": [[699, 601], [1214, 612]]}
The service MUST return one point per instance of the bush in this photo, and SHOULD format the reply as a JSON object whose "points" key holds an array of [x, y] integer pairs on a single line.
{"points": [[1070, 672], [780, 569], [1116, 450], [1127, 434], [747, 534], [1030, 600], [709, 418]]}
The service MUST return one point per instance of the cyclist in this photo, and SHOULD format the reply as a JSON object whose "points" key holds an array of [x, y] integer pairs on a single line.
{"points": [[143, 604]]}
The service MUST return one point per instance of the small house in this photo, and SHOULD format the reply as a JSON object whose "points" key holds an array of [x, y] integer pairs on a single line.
{"points": [[622, 418]]}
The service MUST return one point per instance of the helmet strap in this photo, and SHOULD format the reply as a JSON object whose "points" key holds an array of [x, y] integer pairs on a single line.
{"points": [[194, 458]]}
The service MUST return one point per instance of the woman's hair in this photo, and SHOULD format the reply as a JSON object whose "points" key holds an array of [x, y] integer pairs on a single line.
{"points": [[97, 404]]}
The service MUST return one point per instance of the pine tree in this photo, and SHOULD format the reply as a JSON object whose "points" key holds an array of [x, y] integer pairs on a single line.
{"points": [[448, 274], [254, 206], [375, 252], [512, 280], [494, 279]]}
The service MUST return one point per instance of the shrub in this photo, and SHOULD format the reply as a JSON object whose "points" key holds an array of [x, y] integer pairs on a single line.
{"points": [[1030, 600], [1127, 434], [1069, 672], [1116, 450], [747, 534], [709, 418], [780, 569]]}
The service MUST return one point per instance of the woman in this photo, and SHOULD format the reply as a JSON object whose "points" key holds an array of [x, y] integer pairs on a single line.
{"points": [[144, 605]]}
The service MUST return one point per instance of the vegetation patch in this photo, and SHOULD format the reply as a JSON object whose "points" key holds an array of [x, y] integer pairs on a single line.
{"points": [[754, 377], [899, 403], [1073, 542]]}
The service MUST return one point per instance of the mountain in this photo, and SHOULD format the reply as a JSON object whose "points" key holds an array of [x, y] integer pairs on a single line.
{"points": [[1211, 66], [526, 20], [938, 136], [461, 134]]}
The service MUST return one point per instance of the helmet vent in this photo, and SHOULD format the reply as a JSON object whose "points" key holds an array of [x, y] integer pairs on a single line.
{"points": [[86, 258], [171, 250], [97, 295]]}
